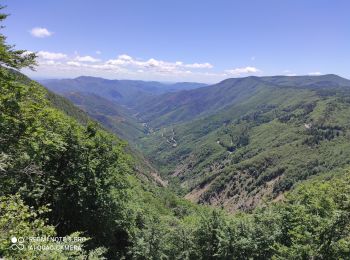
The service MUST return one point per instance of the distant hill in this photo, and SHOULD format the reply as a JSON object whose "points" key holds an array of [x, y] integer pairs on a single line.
{"points": [[239, 145], [125, 92], [327, 81], [233, 143], [187, 105], [112, 102], [244, 140], [113, 116], [238, 157]]}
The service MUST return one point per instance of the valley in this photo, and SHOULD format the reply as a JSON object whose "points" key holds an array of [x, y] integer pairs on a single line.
{"points": [[234, 144], [112, 147]]}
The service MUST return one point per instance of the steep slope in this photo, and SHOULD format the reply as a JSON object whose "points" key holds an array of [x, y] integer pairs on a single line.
{"points": [[112, 102], [114, 117], [247, 153], [64, 166], [61, 172], [261, 145], [187, 105], [237, 142], [48, 158]]}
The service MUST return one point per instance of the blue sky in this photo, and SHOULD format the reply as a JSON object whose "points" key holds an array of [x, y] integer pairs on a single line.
{"points": [[182, 40]]}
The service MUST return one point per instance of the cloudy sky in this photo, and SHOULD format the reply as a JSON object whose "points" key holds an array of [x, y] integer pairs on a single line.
{"points": [[182, 40]]}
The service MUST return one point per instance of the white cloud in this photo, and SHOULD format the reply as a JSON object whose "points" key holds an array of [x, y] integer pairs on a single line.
{"points": [[40, 32], [86, 59], [122, 60], [74, 63], [105, 67], [55, 64], [51, 62], [98, 52], [199, 66], [244, 70], [51, 55], [157, 65], [125, 57], [317, 73]]}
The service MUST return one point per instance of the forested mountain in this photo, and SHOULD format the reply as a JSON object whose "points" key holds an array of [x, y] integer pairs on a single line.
{"points": [[112, 102], [62, 174], [125, 92], [241, 141], [256, 148], [187, 105], [117, 118]]}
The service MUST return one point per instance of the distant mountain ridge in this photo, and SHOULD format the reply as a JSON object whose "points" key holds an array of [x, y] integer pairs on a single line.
{"points": [[125, 92], [327, 80], [234, 143], [187, 105], [242, 140], [112, 101]]}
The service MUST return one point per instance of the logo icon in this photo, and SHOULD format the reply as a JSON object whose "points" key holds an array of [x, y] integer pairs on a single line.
{"points": [[17, 243]]}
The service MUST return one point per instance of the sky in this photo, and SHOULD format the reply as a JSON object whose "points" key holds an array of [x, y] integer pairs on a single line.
{"points": [[182, 40]]}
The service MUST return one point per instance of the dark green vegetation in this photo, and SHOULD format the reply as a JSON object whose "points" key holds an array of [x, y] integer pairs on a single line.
{"points": [[240, 141], [113, 116], [112, 102], [259, 146], [62, 174]]}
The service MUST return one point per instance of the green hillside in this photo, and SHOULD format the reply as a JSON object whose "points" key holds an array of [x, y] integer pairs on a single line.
{"points": [[238, 142], [113, 102], [126, 92], [187, 105], [258, 147], [64, 175], [114, 117]]}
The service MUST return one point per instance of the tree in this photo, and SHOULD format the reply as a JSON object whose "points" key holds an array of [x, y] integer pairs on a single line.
{"points": [[149, 241], [210, 233], [11, 58], [20, 222], [49, 159]]}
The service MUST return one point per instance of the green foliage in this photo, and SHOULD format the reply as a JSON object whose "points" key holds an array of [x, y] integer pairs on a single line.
{"points": [[68, 108], [11, 58], [20, 221], [316, 221], [258, 147], [209, 235], [62, 174], [52, 160], [312, 222], [148, 241], [78, 171]]}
